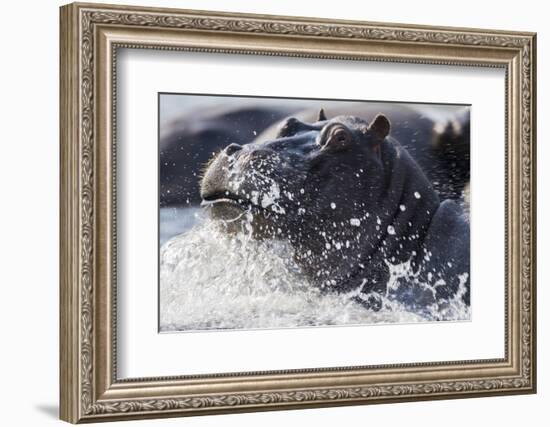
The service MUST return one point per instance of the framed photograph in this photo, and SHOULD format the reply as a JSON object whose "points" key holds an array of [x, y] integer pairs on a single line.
{"points": [[267, 212]]}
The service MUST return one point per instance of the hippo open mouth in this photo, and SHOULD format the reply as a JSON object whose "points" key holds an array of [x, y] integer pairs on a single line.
{"points": [[237, 213], [226, 206], [224, 197]]}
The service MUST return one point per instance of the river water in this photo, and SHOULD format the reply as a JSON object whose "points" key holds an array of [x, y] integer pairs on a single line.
{"points": [[210, 281]]}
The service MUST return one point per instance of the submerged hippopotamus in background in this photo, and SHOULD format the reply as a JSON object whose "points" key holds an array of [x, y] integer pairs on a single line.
{"points": [[354, 205], [440, 144]]}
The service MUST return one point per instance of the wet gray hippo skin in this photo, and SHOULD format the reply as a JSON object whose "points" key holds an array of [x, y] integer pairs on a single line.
{"points": [[353, 204]]}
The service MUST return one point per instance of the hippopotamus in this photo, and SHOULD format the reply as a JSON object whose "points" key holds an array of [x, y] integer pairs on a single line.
{"points": [[354, 205]]}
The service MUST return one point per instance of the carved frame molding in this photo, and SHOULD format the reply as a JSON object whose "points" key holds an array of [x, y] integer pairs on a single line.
{"points": [[90, 36]]}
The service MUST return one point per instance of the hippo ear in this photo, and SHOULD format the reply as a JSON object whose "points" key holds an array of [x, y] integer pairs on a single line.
{"points": [[380, 126], [322, 117]]}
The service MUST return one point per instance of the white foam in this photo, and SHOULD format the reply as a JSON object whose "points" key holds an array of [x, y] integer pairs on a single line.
{"points": [[213, 280]]}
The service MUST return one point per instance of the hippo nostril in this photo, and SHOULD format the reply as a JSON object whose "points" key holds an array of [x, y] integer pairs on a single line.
{"points": [[232, 148]]}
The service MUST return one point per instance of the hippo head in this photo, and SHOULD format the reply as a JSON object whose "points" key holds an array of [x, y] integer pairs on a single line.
{"points": [[339, 190]]}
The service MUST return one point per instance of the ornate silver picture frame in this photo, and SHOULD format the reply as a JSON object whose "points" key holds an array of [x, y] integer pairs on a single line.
{"points": [[92, 37]]}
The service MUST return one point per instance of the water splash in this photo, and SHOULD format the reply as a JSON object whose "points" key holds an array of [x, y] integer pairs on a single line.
{"points": [[213, 280]]}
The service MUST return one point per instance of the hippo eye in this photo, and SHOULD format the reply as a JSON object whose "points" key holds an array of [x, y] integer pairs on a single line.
{"points": [[335, 135]]}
